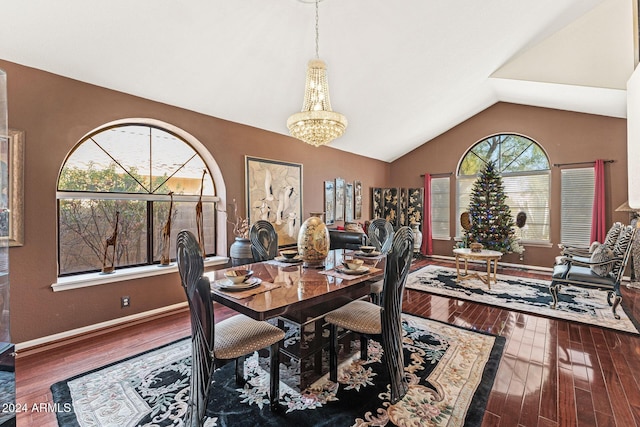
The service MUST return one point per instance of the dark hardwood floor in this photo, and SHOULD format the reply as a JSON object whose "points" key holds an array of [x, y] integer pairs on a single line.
{"points": [[552, 372]]}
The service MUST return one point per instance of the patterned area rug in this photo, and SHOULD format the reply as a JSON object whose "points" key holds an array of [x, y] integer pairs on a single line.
{"points": [[526, 295], [450, 371]]}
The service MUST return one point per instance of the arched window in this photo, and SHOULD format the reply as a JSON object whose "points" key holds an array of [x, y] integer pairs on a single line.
{"points": [[128, 169], [525, 171]]}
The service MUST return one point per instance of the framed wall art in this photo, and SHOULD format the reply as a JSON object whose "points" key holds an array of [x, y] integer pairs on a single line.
{"points": [[415, 206], [329, 202], [339, 199], [376, 203], [348, 202], [402, 207], [357, 199], [12, 196], [390, 205], [274, 194]]}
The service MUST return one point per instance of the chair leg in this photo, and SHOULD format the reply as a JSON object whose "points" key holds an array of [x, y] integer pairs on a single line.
{"points": [[333, 353], [617, 299], [274, 373], [364, 347], [375, 298], [240, 371], [553, 289]]}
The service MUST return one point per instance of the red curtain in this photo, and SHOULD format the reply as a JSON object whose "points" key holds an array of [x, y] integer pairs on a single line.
{"points": [[427, 241], [598, 226]]}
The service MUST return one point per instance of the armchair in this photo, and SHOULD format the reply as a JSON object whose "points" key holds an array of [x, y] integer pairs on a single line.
{"points": [[603, 270]]}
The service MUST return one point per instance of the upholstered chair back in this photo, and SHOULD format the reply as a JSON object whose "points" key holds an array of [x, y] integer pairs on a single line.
{"points": [[622, 249]]}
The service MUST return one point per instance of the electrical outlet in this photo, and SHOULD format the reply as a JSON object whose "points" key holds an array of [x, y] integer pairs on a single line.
{"points": [[125, 302]]}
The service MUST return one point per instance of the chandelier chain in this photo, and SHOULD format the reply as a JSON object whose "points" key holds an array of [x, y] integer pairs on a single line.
{"points": [[317, 33]]}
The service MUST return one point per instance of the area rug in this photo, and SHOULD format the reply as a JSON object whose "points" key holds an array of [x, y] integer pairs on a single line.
{"points": [[450, 371], [525, 295]]}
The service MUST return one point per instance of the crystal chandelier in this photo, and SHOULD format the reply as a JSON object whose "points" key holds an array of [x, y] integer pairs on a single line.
{"points": [[317, 124]]}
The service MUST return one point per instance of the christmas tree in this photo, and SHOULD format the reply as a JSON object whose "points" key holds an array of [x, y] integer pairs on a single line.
{"points": [[491, 220]]}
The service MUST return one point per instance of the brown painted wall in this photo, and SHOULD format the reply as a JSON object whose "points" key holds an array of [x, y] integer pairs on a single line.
{"points": [[55, 113], [565, 136]]}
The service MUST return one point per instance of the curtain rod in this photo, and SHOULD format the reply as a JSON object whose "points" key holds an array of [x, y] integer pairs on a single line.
{"points": [[579, 163], [439, 174]]}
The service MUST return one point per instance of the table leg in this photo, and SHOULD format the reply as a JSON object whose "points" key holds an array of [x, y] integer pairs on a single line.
{"points": [[489, 273], [457, 268], [495, 270]]}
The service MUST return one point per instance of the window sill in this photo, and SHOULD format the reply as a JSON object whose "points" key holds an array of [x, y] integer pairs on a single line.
{"points": [[93, 279]]}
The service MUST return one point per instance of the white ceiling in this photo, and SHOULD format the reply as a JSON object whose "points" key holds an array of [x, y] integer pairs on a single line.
{"points": [[402, 72]]}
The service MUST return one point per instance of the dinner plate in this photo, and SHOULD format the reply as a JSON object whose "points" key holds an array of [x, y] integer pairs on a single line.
{"points": [[228, 285], [293, 260], [370, 254], [360, 270]]}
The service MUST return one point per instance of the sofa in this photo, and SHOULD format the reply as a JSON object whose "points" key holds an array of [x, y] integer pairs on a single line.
{"points": [[341, 239]]}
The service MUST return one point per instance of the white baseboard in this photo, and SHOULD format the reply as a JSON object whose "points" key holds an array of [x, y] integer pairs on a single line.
{"points": [[56, 340]]}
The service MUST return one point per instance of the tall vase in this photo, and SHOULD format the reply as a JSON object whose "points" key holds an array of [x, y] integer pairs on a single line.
{"points": [[240, 252], [417, 237], [313, 241]]}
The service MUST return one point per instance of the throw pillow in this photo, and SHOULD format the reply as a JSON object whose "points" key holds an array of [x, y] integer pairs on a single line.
{"points": [[353, 226], [601, 254]]}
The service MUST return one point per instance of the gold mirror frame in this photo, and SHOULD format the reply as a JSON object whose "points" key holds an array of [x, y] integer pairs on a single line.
{"points": [[15, 162]]}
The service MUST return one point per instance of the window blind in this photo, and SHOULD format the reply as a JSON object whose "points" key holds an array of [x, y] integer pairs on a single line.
{"points": [[577, 189], [440, 208]]}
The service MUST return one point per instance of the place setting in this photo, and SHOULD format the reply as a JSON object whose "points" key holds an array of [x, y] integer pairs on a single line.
{"points": [[367, 252], [287, 257], [350, 267], [237, 280], [240, 283]]}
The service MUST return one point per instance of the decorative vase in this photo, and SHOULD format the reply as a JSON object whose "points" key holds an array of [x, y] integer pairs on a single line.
{"points": [[417, 237], [240, 252], [313, 241]]}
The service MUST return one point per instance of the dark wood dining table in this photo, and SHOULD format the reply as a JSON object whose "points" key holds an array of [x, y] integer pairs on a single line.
{"points": [[299, 297]]}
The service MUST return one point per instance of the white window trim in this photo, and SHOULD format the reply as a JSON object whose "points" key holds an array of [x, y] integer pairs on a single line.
{"points": [[94, 279]]}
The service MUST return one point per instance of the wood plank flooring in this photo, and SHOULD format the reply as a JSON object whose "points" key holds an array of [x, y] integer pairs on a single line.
{"points": [[553, 373]]}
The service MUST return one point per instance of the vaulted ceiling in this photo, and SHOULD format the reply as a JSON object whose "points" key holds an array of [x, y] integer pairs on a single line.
{"points": [[402, 72]]}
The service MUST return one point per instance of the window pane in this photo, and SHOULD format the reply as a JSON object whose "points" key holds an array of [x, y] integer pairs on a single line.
{"points": [[90, 169], [183, 217], [576, 206], [128, 146], [529, 194], [440, 208], [135, 159], [85, 225]]}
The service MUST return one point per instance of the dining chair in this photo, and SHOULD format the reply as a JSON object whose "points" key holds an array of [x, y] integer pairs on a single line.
{"points": [[264, 241], [381, 322], [380, 233], [214, 344]]}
